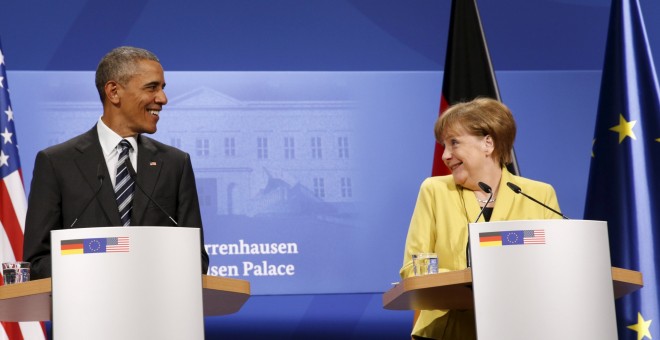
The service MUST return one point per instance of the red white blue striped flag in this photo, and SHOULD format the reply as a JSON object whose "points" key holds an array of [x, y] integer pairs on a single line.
{"points": [[13, 205]]}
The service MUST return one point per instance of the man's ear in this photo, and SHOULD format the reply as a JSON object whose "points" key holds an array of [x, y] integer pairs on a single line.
{"points": [[111, 91]]}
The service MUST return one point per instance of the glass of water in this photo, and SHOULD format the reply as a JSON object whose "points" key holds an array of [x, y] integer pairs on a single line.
{"points": [[425, 263], [15, 272]]}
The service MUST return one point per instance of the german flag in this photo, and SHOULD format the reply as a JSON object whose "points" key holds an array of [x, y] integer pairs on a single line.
{"points": [[70, 247], [490, 239], [468, 72]]}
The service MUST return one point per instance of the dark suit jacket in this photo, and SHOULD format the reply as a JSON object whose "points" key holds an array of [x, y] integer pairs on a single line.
{"points": [[66, 177]]}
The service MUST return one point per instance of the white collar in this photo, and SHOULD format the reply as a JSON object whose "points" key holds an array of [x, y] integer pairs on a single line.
{"points": [[110, 139]]}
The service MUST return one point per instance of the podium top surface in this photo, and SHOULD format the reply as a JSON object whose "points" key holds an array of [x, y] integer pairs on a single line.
{"points": [[453, 290], [31, 301]]}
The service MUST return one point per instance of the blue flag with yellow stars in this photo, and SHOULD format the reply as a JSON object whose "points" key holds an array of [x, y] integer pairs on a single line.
{"points": [[624, 178]]}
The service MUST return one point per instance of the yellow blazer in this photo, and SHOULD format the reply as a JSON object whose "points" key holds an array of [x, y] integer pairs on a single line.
{"points": [[439, 225]]}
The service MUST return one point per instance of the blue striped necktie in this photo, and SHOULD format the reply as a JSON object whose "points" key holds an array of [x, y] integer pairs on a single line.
{"points": [[124, 184]]}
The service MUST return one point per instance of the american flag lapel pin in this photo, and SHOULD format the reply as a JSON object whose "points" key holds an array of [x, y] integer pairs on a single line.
{"points": [[152, 163]]}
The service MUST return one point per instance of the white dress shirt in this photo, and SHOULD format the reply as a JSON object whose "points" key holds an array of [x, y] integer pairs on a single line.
{"points": [[110, 145]]}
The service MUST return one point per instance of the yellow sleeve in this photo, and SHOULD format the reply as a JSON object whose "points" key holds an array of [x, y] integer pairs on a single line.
{"points": [[421, 232], [550, 200]]}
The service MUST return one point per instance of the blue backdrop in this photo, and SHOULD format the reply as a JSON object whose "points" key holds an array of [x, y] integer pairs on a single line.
{"points": [[310, 126]]}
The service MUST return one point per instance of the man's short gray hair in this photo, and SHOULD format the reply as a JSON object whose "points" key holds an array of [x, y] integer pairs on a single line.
{"points": [[119, 65]]}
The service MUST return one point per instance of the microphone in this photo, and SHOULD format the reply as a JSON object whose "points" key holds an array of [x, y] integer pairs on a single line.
{"points": [[100, 176], [486, 188], [133, 174], [517, 190]]}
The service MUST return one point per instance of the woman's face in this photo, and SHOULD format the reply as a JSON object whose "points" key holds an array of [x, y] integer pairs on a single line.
{"points": [[467, 156]]}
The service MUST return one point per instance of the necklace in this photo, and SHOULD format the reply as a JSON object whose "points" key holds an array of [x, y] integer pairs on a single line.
{"points": [[485, 201]]}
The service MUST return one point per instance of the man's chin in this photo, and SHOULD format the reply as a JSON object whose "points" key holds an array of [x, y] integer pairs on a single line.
{"points": [[149, 131]]}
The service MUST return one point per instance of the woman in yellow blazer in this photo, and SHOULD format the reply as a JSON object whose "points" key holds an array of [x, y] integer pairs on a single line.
{"points": [[478, 138]]}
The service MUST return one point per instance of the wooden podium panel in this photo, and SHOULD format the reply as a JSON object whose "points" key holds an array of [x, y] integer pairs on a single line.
{"points": [[28, 301], [31, 301], [223, 295], [453, 290], [448, 290]]}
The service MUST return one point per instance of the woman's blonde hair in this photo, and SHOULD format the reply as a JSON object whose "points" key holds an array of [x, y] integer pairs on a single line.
{"points": [[481, 117]]}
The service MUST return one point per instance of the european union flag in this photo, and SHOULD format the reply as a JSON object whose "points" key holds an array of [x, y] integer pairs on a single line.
{"points": [[512, 237], [624, 179], [94, 245]]}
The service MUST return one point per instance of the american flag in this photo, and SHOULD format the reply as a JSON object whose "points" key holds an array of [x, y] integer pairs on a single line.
{"points": [[13, 205], [534, 236], [117, 244]]}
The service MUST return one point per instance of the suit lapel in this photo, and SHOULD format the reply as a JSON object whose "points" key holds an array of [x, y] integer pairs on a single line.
{"points": [[90, 162], [148, 169], [471, 205], [505, 199]]}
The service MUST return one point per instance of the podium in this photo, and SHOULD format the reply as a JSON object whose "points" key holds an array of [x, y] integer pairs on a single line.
{"points": [[515, 286], [31, 301], [453, 290], [124, 283]]}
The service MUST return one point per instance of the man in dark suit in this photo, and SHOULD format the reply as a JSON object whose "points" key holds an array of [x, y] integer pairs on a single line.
{"points": [[131, 83]]}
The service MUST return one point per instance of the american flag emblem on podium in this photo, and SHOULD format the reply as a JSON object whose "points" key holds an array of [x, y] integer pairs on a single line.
{"points": [[534, 236]]}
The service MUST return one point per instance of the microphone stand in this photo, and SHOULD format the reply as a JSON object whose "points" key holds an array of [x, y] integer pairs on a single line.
{"points": [[486, 188]]}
